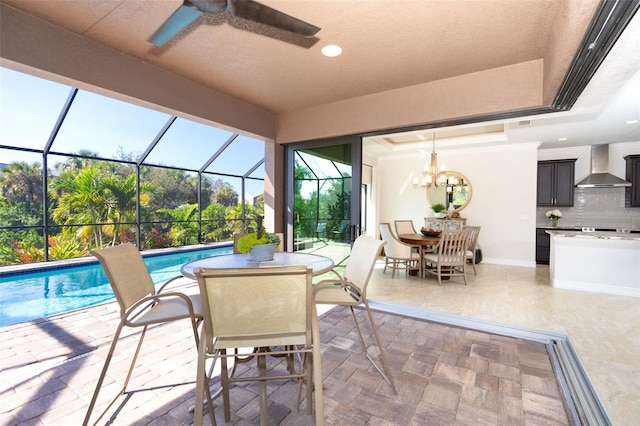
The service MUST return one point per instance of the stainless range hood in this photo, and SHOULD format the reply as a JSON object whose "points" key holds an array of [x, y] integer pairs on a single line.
{"points": [[600, 176]]}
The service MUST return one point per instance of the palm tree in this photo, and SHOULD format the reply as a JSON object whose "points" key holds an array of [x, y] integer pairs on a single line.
{"points": [[77, 163], [121, 198], [84, 199], [22, 182]]}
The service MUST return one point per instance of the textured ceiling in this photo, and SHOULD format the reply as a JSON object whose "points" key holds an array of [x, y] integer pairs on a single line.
{"points": [[386, 45]]}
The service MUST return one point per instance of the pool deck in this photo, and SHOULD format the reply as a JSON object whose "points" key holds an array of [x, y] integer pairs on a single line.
{"points": [[50, 366]]}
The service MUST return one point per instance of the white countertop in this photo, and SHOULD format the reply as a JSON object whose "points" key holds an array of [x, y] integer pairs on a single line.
{"points": [[606, 235]]}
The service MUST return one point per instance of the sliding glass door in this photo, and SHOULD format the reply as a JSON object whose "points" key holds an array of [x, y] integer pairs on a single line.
{"points": [[323, 196]]}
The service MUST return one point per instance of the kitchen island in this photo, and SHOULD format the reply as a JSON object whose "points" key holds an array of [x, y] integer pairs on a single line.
{"points": [[601, 262]]}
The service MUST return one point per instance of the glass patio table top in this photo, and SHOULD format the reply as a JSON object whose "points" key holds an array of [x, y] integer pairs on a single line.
{"points": [[319, 264]]}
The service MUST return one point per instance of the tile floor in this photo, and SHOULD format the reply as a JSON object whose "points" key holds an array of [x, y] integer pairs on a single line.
{"points": [[604, 330]]}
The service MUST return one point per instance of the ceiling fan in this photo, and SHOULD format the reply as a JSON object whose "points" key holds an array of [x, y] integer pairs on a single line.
{"points": [[190, 10]]}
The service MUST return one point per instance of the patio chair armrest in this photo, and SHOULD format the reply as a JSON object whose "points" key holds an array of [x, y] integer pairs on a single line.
{"points": [[173, 280], [348, 286], [150, 300], [336, 273], [327, 283]]}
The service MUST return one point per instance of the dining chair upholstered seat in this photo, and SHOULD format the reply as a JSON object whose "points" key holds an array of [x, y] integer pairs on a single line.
{"points": [[141, 305], [450, 258], [404, 227], [350, 289], [471, 245], [398, 255], [267, 308]]}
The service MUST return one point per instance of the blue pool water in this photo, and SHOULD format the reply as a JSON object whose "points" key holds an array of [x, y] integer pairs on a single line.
{"points": [[32, 295]]}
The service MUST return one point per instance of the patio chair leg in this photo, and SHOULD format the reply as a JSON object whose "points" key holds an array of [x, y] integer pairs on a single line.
{"points": [[315, 377], [387, 377], [104, 373], [202, 387], [224, 375], [262, 368]]}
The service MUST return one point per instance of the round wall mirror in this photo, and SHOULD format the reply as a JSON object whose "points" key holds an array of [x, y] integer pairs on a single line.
{"points": [[457, 190]]}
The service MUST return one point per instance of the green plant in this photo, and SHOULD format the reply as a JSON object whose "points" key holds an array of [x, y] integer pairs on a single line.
{"points": [[438, 207], [246, 243]]}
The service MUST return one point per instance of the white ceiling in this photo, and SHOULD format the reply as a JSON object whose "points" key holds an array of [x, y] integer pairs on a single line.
{"points": [[387, 45]]}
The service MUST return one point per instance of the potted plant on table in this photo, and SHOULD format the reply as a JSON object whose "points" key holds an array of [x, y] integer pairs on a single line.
{"points": [[259, 245], [439, 209]]}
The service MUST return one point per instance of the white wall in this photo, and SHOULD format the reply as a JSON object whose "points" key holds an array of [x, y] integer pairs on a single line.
{"points": [[503, 179]]}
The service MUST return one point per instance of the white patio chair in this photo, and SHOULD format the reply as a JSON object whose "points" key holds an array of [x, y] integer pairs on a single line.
{"points": [[266, 307], [351, 290], [140, 305]]}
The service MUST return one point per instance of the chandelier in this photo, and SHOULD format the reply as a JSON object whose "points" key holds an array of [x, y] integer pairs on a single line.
{"points": [[431, 175]]}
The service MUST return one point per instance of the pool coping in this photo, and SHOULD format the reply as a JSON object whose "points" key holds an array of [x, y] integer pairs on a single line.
{"points": [[24, 268]]}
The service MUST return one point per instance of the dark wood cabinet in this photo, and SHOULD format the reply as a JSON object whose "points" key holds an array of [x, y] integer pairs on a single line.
{"points": [[556, 182], [543, 246], [632, 193]]}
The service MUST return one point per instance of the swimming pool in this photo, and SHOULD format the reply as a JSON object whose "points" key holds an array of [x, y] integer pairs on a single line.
{"points": [[32, 295]]}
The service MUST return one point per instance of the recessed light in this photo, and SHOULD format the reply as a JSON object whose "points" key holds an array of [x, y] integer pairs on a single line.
{"points": [[332, 50], [562, 139], [631, 122]]}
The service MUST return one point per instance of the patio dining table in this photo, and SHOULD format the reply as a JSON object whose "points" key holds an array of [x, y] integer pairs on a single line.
{"points": [[319, 264]]}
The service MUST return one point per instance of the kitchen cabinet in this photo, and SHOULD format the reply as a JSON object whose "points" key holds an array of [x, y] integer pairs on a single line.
{"points": [[632, 193], [556, 182], [543, 246]]}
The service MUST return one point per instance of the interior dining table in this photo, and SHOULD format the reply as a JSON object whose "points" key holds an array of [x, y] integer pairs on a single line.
{"points": [[319, 264], [421, 240]]}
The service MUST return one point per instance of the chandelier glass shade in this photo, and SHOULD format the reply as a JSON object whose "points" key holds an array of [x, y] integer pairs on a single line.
{"points": [[431, 175]]}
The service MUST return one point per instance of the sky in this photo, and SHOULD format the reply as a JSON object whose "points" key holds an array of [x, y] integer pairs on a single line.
{"points": [[30, 107]]}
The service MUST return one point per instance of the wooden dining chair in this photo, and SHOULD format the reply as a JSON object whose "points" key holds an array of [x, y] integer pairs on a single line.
{"points": [[141, 305], [404, 226], [471, 245], [268, 308], [450, 258]]}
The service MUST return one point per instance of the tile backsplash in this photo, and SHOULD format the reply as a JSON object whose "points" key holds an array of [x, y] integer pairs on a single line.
{"points": [[596, 207]]}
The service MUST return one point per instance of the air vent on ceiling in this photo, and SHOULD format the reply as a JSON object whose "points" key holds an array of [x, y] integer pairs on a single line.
{"points": [[524, 122]]}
